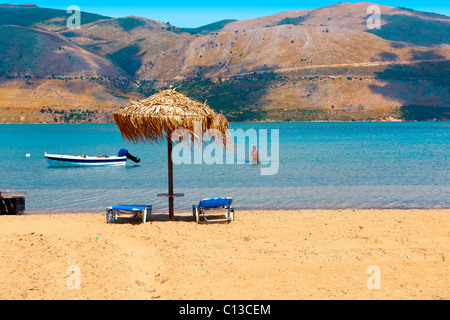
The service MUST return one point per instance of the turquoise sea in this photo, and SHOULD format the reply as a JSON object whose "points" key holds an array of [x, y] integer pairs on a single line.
{"points": [[321, 165]]}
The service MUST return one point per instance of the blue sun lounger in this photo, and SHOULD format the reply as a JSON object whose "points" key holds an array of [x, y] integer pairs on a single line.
{"points": [[213, 203], [129, 212]]}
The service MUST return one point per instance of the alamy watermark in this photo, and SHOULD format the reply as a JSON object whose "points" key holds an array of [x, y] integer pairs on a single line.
{"points": [[74, 280], [74, 21], [262, 148], [374, 281], [374, 20]]}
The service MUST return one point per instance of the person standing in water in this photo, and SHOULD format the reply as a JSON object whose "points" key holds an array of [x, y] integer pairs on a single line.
{"points": [[255, 155]]}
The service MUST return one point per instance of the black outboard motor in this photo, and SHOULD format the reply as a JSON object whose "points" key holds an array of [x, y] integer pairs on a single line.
{"points": [[124, 152]]}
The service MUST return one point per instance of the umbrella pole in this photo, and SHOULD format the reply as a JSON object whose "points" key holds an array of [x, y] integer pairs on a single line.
{"points": [[170, 167]]}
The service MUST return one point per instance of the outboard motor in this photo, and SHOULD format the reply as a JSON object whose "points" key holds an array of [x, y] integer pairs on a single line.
{"points": [[124, 153]]}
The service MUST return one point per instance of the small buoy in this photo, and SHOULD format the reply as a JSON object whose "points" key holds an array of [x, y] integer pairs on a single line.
{"points": [[27, 155]]}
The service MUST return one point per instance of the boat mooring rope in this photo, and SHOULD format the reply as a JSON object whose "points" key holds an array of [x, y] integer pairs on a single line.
{"points": [[37, 163]]}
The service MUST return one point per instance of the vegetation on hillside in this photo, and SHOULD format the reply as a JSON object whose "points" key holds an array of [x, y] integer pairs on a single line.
{"points": [[316, 65]]}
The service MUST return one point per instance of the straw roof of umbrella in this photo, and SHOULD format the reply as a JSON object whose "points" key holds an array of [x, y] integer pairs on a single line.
{"points": [[156, 117]]}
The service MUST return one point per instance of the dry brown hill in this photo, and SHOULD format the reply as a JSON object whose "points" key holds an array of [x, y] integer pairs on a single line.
{"points": [[34, 52], [114, 29], [287, 47], [343, 15], [62, 100], [30, 15], [133, 43], [319, 64]]}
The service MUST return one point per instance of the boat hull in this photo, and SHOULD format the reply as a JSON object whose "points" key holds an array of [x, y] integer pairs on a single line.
{"points": [[55, 160]]}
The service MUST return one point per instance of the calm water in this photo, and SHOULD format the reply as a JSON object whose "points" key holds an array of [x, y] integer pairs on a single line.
{"points": [[321, 165]]}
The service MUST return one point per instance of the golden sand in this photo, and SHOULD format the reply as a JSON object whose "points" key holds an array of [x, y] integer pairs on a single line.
{"points": [[300, 254]]}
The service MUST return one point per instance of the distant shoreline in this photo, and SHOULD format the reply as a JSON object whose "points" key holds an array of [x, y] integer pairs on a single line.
{"points": [[262, 121]]}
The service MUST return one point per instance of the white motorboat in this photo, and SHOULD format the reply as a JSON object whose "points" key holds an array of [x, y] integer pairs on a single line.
{"points": [[84, 160]]}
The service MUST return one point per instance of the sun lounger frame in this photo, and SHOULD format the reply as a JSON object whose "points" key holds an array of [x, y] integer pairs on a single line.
{"points": [[113, 213], [207, 204]]}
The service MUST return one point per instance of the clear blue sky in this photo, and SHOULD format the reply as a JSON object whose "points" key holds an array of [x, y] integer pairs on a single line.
{"points": [[195, 13]]}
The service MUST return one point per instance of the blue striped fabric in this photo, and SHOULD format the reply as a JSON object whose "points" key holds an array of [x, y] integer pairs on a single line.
{"points": [[130, 207], [215, 202]]}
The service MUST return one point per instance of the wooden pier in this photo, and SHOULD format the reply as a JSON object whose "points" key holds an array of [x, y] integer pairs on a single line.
{"points": [[12, 202]]}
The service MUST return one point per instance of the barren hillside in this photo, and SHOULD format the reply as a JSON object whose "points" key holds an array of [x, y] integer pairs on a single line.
{"points": [[319, 64], [34, 52]]}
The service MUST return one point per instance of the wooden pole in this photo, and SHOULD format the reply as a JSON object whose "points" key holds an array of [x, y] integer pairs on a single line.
{"points": [[170, 173]]}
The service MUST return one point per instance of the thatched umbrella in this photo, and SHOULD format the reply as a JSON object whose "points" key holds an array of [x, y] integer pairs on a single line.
{"points": [[155, 118]]}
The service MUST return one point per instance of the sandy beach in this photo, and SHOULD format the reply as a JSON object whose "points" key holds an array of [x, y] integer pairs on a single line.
{"points": [[300, 254]]}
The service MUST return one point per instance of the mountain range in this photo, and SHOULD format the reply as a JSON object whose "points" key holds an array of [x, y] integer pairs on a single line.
{"points": [[323, 64]]}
